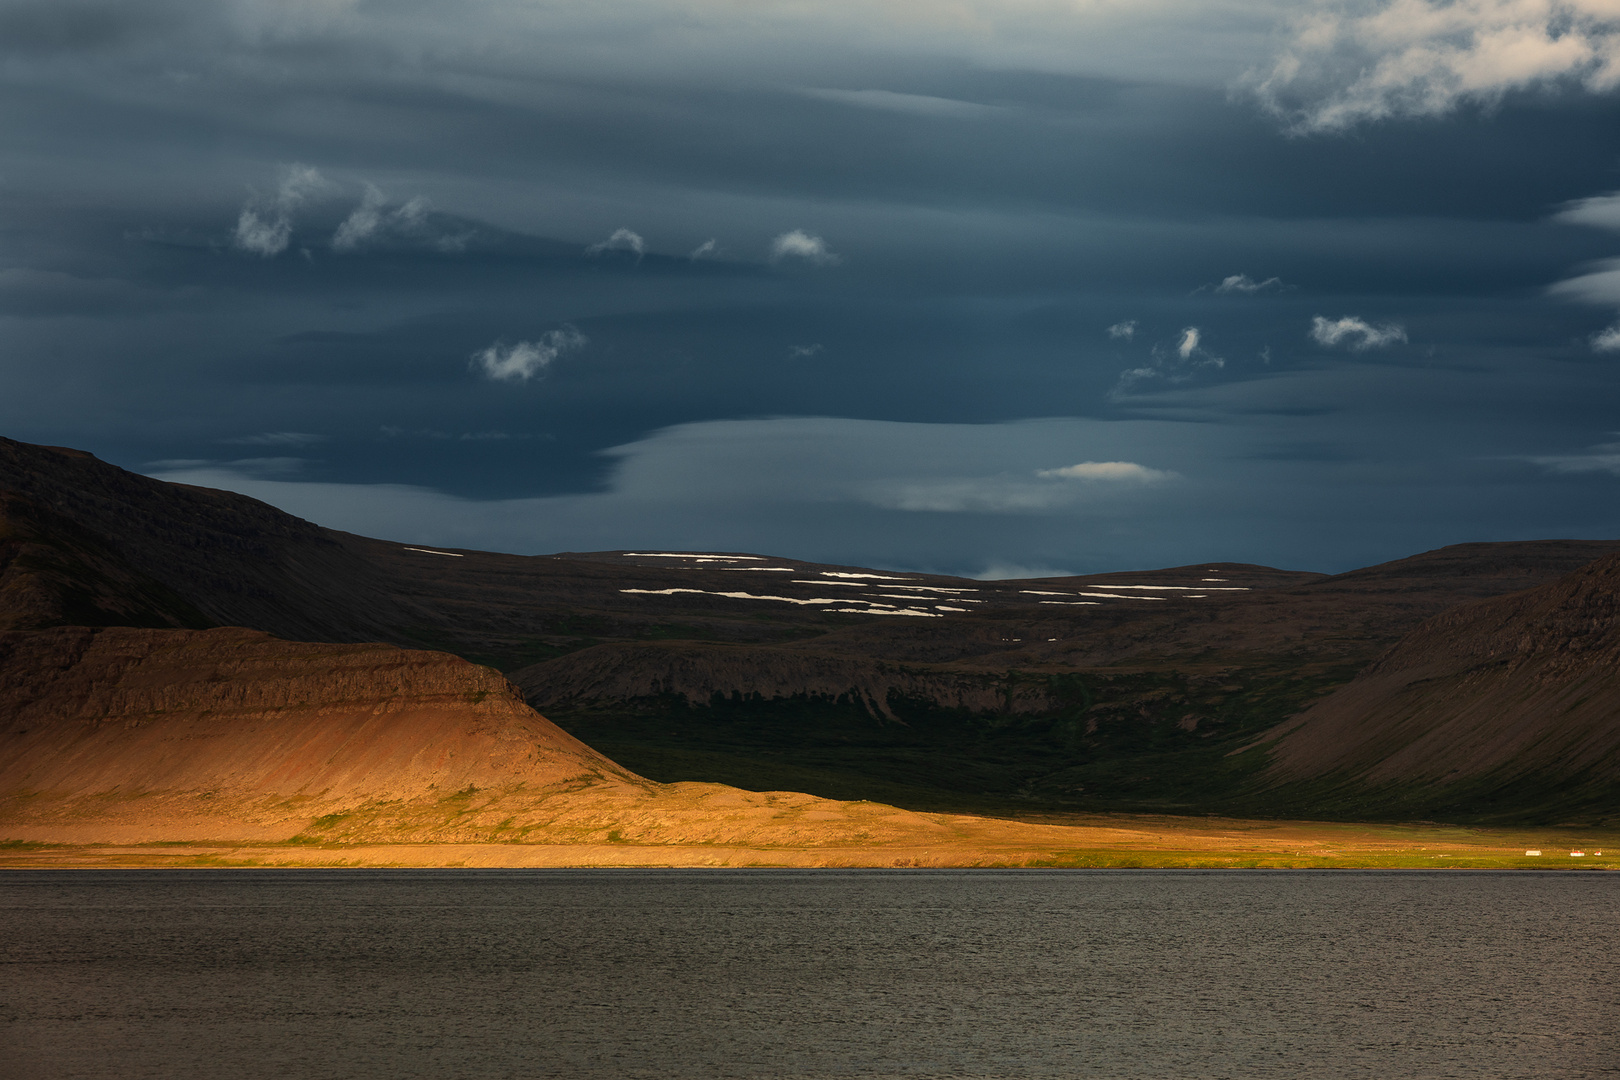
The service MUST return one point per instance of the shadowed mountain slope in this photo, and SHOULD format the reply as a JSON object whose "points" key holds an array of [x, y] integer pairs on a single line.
{"points": [[1478, 707], [1182, 617], [233, 559], [53, 572]]}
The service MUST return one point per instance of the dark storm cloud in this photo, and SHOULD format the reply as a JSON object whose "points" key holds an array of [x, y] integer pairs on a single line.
{"points": [[567, 276]]}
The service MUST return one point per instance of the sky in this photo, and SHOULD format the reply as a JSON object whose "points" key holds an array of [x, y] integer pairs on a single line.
{"points": [[986, 287]]}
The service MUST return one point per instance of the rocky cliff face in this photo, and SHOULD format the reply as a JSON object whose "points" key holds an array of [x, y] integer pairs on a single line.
{"points": [[700, 671], [1513, 688]]}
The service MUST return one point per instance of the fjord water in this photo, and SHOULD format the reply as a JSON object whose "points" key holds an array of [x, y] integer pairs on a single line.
{"points": [[359, 974]]}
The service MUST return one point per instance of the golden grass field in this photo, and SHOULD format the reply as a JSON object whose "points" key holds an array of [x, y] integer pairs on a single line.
{"points": [[1102, 841]]}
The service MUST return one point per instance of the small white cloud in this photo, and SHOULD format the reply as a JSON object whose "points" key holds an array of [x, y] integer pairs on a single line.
{"points": [[1123, 330], [299, 184], [1112, 471], [1607, 340], [1358, 334], [709, 249], [414, 213], [526, 359], [373, 217], [262, 234], [1175, 365], [264, 227], [799, 244], [798, 352], [1188, 343], [1243, 283], [621, 240], [363, 222]]}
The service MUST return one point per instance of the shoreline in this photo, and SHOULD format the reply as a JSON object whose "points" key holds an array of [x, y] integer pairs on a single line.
{"points": [[1126, 843]]}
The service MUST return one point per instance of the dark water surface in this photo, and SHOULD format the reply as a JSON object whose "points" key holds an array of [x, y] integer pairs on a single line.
{"points": [[672, 974]]}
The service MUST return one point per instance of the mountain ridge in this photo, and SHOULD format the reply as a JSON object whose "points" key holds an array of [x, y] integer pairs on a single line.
{"points": [[1134, 690]]}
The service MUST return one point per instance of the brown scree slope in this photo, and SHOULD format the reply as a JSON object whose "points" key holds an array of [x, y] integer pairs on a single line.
{"points": [[1514, 687]]}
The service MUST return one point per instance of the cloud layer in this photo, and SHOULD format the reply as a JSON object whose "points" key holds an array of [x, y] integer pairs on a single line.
{"points": [[793, 485], [1042, 209], [955, 497], [1425, 58]]}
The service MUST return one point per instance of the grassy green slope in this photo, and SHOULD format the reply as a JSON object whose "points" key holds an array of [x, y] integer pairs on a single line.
{"points": [[1142, 740]]}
